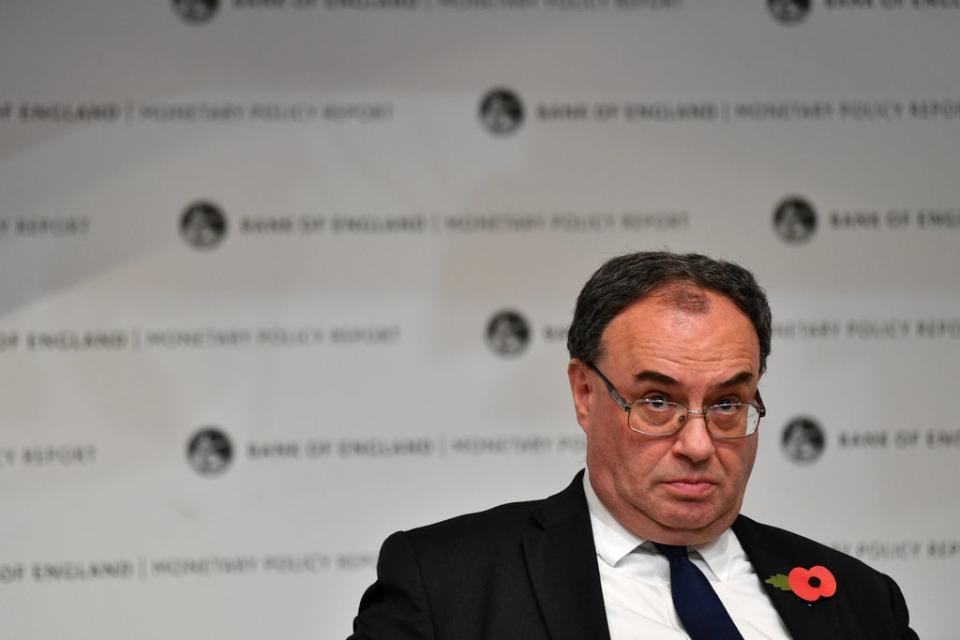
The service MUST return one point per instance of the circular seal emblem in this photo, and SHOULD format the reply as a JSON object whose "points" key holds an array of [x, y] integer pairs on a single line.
{"points": [[196, 11], [209, 451], [508, 333], [203, 225], [795, 220], [789, 12], [501, 112], [803, 440]]}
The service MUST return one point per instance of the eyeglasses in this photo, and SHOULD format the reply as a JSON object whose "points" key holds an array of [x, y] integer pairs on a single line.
{"points": [[658, 417]]}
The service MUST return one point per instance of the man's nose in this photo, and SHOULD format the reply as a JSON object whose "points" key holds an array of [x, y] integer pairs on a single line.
{"points": [[693, 439]]}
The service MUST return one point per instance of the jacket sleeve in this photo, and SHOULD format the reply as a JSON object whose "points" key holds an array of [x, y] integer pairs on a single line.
{"points": [[395, 607], [900, 613]]}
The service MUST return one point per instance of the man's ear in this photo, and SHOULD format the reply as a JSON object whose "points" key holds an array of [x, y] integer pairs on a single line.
{"points": [[583, 388]]}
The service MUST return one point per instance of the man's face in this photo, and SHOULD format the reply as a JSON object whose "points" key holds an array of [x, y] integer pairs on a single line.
{"points": [[686, 488]]}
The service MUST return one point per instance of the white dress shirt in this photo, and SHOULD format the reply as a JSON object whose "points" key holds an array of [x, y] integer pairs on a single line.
{"points": [[636, 583]]}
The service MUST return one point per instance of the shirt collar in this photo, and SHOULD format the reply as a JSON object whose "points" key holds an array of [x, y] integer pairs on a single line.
{"points": [[614, 543]]}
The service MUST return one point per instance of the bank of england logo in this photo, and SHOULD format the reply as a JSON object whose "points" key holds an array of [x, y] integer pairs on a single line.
{"points": [[196, 11], [203, 225], [789, 12], [795, 220], [803, 440], [501, 112], [209, 451], [508, 333]]}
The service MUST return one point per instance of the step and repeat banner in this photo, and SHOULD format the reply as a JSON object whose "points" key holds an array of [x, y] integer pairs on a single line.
{"points": [[280, 277]]}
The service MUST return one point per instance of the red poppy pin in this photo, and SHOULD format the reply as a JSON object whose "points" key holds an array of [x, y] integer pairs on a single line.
{"points": [[809, 584]]}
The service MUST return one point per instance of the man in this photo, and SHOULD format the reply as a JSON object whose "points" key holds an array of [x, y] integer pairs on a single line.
{"points": [[666, 356]]}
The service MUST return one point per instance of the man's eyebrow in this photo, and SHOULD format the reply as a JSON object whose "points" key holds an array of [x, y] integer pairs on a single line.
{"points": [[648, 375], [654, 376], [740, 378]]}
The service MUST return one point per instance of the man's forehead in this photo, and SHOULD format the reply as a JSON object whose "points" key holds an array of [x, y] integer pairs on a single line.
{"points": [[670, 312]]}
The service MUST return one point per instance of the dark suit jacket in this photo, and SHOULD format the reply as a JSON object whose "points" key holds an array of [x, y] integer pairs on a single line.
{"points": [[528, 571]]}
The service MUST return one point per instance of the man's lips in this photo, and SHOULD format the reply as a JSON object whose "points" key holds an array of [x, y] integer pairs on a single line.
{"points": [[692, 487]]}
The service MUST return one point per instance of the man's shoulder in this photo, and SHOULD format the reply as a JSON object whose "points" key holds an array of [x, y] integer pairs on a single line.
{"points": [[780, 536], [804, 551], [473, 544], [872, 603], [507, 523], [501, 519]]}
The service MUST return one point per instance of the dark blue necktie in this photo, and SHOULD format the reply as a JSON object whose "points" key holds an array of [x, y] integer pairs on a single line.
{"points": [[700, 610]]}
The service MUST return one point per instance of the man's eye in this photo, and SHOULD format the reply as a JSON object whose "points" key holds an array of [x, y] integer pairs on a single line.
{"points": [[656, 401], [726, 405]]}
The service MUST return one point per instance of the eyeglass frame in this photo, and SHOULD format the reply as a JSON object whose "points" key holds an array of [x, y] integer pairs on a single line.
{"points": [[628, 407]]}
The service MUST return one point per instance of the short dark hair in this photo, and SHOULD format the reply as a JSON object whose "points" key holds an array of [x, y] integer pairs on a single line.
{"points": [[626, 279]]}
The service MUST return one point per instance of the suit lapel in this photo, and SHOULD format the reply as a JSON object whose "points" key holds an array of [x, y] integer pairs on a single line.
{"points": [[562, 563], [818, 620]]}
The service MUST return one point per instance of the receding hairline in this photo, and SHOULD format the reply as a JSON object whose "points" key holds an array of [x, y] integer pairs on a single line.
{"points": [[681, 294]]}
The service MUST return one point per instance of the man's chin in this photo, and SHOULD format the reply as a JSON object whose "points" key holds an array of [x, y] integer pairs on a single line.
{"points": [[693, 525]]}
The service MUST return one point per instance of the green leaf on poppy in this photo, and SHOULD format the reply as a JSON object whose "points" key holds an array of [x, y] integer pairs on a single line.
{"points": [[779, 581]]}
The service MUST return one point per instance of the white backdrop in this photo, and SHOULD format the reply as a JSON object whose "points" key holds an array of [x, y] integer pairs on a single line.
{"points": [[333, 338]]}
